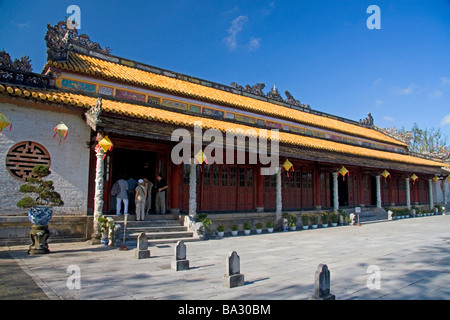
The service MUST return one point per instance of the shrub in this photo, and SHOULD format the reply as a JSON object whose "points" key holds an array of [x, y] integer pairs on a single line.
{"points": [[314, 217], [292, 220]]}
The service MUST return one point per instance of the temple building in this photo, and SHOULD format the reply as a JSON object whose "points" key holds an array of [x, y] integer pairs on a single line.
{"points": [[325, 162]]}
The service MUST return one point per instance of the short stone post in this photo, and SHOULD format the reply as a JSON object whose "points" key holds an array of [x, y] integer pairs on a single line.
{"points": [[233, 277], [142, 246], [180, 262], [322, 284], [352, 219], [390, 213]]}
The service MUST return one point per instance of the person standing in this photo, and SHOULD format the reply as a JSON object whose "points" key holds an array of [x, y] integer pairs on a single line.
{"points": [[122, 196], [160, 201], [132, 184], [140, 199], [148, 204]]}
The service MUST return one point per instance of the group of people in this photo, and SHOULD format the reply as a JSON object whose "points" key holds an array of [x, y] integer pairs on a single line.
{"points": [[140, 192]]}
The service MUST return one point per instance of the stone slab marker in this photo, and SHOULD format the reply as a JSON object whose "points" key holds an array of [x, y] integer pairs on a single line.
{"points": [[233, 277], [322, 284], [180, 262], [142, 246]]}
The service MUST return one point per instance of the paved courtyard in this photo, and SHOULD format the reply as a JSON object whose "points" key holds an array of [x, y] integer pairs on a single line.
{"points": [[411, 255]]}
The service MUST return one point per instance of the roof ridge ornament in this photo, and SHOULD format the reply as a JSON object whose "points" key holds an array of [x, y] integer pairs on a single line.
{"points": [[273, 94], [24, 64], [367, 122], [60, 39]]}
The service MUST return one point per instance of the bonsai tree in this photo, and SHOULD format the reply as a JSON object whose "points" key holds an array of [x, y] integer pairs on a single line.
{"points": [[269, 224], [220, 228], [258, 225], [247, 226], [46, 194], [234, 227]]}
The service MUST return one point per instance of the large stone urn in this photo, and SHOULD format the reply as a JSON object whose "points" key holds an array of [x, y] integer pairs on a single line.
{"points": [[39, 217]]}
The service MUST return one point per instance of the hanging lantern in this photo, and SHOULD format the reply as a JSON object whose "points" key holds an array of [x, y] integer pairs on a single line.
{"points": [[105, 144], [61, 129], [287, 166], [200, 157], [4, 122], [435, 178], [385, 174], [343, 171], [414, 178]]}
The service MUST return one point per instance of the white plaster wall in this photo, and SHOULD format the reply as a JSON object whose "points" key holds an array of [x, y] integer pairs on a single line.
{"points": [[69, 160]]}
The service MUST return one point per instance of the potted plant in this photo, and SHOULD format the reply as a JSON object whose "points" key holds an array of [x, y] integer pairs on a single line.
{"points": [[305, 221], [293, 222], [220, 230], [202, 217], [40, 208], [234, 230], [325, 218], [314, 217], [269, 226], [104, 230], [285, 217], [258, 227], [343, 216], [334, 217], [247, 228]]}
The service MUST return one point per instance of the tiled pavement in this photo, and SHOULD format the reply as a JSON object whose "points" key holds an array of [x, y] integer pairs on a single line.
{"points": [[412, 255]]}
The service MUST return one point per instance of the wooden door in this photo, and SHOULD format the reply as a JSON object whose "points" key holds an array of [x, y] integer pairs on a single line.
{"points": [[245, 196], [270, 195], [307, 189], [324, 190]]}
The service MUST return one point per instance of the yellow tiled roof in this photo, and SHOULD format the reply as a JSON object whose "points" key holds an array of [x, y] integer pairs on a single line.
{"points": [[116, 72], [174, 118]]}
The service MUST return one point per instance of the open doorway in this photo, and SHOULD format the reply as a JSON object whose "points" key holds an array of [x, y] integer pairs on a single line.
{"points": [[343, 191], [135, 164]]}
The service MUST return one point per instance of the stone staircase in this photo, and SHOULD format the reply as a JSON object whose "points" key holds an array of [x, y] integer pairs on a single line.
{"points": [[159, 229], [368, 214]]}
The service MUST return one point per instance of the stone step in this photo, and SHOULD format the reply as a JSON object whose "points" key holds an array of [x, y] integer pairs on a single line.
{"points": [[156, 229], [164, 235], [147, 224], [171, 240]]}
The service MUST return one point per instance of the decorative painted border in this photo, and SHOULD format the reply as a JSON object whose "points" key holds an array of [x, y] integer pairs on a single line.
{"points": [[222, 114]]}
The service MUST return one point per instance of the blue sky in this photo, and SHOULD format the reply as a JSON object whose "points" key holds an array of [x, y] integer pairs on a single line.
{"points": [[320, 51]]}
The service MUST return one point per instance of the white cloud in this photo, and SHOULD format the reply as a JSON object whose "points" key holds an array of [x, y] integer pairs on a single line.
{"points": [[388, 119], [379, 102], [254, 43], [22, 25], [445, 81], [236, 26], [435, 93], [406, 91], [377, 81], [446, 120]]}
